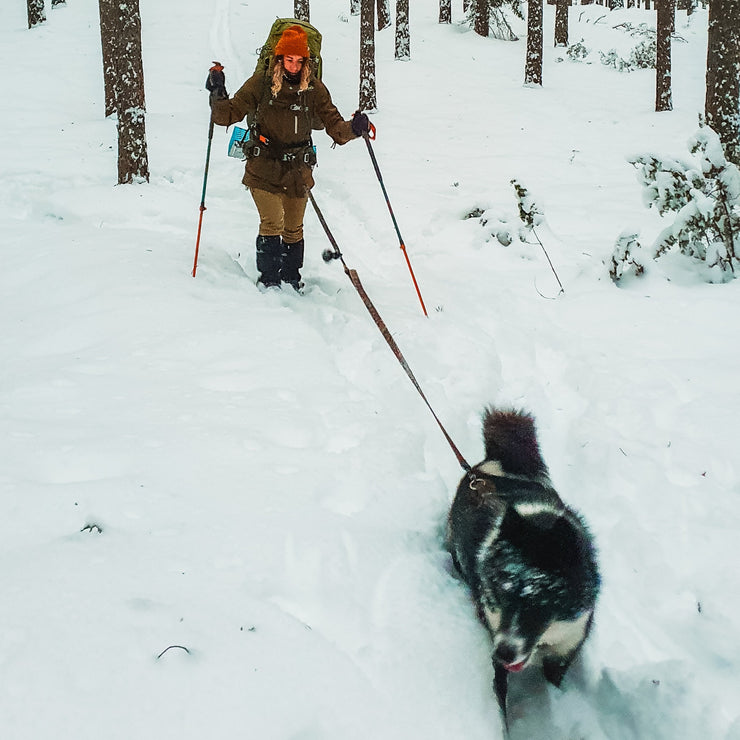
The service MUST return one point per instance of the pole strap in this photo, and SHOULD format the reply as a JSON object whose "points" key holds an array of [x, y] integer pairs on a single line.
{"points": [[355, 280]]}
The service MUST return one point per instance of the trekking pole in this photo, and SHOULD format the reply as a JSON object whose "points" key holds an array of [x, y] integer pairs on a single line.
{"points": [[216, 67], [367, 138], [203, 196]]}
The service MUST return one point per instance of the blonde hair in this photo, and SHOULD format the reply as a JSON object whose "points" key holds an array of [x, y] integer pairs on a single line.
{"points": [[278, 70]]}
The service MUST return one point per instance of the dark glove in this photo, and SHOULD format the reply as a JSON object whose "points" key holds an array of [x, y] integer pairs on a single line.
{"points": [[216, 83], [360, 123]]}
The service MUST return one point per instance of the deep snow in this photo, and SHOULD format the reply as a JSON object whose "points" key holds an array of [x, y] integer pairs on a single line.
{"points": [[189, 463]]}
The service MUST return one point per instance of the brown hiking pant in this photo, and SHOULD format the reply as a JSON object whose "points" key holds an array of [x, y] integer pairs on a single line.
{"points": [[280, 215]]}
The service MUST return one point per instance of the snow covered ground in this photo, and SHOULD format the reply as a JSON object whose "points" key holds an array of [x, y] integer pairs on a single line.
{"points": [[251, 481]]}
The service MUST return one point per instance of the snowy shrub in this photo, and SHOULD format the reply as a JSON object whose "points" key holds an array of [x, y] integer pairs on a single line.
{"points": [[503, 226], [476, 212], [641, 56], [529, 212], [578, 52], [701, 197], [623, 260], [531, 216], [644, 55], [496, 225], [612, 59]]}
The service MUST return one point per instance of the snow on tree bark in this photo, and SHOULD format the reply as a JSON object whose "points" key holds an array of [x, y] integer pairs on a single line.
{"points": [[384, 14], [301, 10], [445, 11], [354, 7], [722, 101], [666, 11], [533, 65], [107, 42], [36, 12], [403, 31], [561, 22], [120, 28], [481, 10], [368, 97]]}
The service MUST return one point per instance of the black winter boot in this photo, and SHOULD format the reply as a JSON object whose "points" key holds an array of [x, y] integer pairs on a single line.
{"points": [[269, 260], [292, 263]]}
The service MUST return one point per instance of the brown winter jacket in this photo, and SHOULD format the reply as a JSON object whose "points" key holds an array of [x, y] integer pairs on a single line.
{"points": [[286, 121]]}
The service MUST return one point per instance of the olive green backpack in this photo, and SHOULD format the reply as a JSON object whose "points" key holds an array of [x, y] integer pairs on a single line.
{"points": [[314, 44]]}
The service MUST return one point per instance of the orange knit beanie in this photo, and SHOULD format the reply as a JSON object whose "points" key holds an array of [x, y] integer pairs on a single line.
{"points": [[293, 42]]}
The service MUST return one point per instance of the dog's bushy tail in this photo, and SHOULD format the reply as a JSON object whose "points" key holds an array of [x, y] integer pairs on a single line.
{"points": [[510, 437]]}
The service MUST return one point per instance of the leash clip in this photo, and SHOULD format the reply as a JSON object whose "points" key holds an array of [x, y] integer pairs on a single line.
{"points": [[475, 482]]}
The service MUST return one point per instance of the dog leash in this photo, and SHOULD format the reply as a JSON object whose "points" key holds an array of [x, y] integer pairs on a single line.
{"points": [[355, 280]]}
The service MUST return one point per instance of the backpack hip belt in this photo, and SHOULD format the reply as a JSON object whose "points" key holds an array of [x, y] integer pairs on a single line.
{"points": [[304, 152]]}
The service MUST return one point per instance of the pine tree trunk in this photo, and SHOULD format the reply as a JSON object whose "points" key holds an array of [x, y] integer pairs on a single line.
{"points": [[561, 22], [120, 21], [301, 10], [403, 31], [481, 9], [384, 14], [723, 75], [36, 12], [368, 97], [665, 16], [445, 11], [108, 35], [354, 7], [533, 66], [133, 161]]}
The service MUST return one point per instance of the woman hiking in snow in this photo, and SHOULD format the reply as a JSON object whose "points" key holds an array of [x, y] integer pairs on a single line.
{"points": [[285, 103]]}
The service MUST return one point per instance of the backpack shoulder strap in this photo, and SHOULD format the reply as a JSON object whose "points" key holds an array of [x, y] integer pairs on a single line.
{"points": [[253, 119]]}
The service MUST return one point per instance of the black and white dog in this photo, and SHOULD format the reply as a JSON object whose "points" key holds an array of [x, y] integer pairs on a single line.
{"points": [[528, 558]]}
